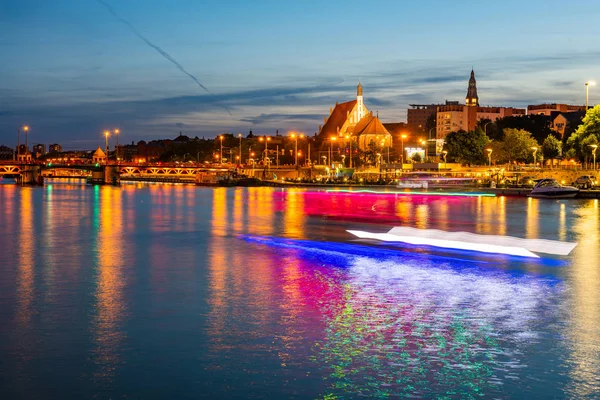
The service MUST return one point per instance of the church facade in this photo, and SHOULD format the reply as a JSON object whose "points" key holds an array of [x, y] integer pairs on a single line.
{"points": [[352, 121]]}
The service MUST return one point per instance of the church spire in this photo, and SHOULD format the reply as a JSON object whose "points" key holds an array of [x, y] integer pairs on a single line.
{"points": [[472, 98], [360, 107]]}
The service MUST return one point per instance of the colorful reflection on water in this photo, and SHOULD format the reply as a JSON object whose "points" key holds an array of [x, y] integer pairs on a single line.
{"points": [[260, 291]]}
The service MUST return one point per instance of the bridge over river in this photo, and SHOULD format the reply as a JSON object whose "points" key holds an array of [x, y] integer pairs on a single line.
{"points": [[34, 173]]}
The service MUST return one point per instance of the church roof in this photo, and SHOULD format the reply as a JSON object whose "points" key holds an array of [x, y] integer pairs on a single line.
{"points": [[337, 118], [99, 152], [395, 127], [370, 125]]}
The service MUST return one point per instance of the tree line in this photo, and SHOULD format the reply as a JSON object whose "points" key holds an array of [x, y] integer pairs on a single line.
{"points": [[516, 139]]}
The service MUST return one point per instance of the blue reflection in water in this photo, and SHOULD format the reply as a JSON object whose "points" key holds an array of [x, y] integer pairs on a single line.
{"points": [[421, 325]]}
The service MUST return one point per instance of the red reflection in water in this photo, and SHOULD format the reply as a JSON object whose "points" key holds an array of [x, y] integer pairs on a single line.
{"points": [[367, 207]]}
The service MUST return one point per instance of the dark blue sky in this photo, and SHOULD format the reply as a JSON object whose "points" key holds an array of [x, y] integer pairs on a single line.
{"points": [[70, 69]]}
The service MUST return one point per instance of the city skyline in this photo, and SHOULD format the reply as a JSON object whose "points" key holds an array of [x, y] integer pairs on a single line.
{"points": [[75, 70]]}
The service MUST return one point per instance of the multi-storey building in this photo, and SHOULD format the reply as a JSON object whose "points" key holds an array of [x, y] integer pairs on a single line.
{"points": [[39, 150], [548, 108], [455, 117], [55, 148]]}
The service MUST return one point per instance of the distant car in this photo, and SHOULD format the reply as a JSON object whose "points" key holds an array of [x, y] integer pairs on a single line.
{"points": [[585, 182], [527, 181]]}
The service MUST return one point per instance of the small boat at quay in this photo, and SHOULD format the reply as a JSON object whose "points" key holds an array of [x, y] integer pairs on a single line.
{"points": [[551, 189]]}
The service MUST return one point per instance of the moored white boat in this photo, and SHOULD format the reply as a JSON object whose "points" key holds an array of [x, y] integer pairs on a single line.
{"points": [[551, 189]]}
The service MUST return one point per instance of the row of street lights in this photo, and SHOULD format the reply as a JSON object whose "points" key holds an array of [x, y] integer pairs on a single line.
{"points": [[106, 135]]}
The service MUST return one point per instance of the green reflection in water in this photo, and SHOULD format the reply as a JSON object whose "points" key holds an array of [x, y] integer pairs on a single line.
{"points": [[376, 348]]}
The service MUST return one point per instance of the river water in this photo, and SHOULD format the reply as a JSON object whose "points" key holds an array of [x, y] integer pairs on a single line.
{"points": [[171, 291]]}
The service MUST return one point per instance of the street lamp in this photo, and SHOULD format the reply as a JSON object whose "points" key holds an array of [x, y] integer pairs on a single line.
{"points": [[489, 155], [116, 131], [26, 130], [295, 137], [106, 133], [587, 91], [221, 158], [594, 148], [535, 149], [331, 140], [266, 139], [349, 139], [240, 136], [444, 154], [402, 137], [424, 143], [485, 127]]}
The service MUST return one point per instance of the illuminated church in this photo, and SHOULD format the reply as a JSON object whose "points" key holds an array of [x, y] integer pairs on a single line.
{"points": [[353, 121]]}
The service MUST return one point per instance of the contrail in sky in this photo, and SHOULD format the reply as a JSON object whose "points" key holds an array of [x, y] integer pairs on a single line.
{"points": [[155, 47]]}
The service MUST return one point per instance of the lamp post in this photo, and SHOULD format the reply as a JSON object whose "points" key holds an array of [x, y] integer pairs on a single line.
{"points": [[106, 133], [349, 139], [331, 140], [295, 137], [18, 150], [116, 131], [485, 127], [240, 136], [535, 149], [221, 157], [594, 148], [424, 143], [402, 137], [489, 156], [587, 92], [444, 154], [26, 130], [266, 139]]}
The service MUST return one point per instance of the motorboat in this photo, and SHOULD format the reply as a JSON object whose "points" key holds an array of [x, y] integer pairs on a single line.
{"points": [[551, 189]]}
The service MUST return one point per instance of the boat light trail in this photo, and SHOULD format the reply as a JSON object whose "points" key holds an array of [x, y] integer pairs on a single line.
{"points": [[470, 241], [458, 194]]}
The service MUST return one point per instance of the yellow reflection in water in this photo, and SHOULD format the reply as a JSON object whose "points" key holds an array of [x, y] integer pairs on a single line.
{"points": [[293, 215], [25, 285], [500, 210], [562, 222], [422, 216], [217, 246], [533, 218], [238, 210], [110, 307], [260, 210], [585, 312]]}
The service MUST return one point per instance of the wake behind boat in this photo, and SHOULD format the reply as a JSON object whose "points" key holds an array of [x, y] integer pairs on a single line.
{"points": [[551, 189]]}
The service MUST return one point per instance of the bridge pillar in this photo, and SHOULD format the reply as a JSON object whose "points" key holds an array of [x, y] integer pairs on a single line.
{"points": [[31, 175], [112, 175]]}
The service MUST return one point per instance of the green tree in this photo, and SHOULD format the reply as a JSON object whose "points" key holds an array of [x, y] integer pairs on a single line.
{"points": [[587, 133], [537, 125], [467, 147], [551, 148], [416, 157], [517, 145], [586, 147]]}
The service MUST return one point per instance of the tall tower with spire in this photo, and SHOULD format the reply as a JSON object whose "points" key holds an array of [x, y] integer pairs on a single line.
{"points": [[472, 99], [360, 108]]}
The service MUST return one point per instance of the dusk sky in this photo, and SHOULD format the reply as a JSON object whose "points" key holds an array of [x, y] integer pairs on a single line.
{"points": [[71, 69]]}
